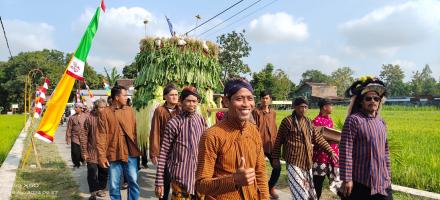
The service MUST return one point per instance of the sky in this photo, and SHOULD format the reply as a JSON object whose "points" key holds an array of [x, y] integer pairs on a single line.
{"points": [[293, 35]]}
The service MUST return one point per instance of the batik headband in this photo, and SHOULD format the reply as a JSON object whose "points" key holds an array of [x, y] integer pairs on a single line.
{"points": [[234, 86]]}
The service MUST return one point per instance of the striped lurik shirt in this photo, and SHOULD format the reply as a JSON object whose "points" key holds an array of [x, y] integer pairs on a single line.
{"points": [[87, 138], [179, 149], [297, 137], [220, 152], [364, 153]]}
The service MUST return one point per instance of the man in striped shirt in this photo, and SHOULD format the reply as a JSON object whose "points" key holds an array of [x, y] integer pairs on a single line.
{"points": [[298, 136], [365, 161], [179, 148], [96, 175]]}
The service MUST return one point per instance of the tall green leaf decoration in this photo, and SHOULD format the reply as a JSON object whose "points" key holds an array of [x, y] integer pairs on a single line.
{"points": [[181, 61], [167, 60]]}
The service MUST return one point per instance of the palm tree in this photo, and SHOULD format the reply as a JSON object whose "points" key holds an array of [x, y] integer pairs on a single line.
{"points": [[113, 76]]}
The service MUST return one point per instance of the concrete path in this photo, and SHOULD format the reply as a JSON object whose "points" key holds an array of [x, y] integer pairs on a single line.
{"points": [[8, 170], [415, 192], [146, 176]]}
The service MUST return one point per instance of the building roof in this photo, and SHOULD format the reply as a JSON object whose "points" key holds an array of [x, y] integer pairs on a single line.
{"points": [[320, 90], [317, 84], [102, 92], [314, 84], [128, 83], [329, 97]]}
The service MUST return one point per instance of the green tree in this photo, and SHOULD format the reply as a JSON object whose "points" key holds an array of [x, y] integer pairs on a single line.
{"points": [[233, 48], [283, 86], [275, 81], [342, 78], [113, 76], [94, 80], [416, 84], [423, 83], [393, 75], [13, 74], [130, 71], [3, 97], [316, 76], [437, 91], [429, 82], [263, 80]]}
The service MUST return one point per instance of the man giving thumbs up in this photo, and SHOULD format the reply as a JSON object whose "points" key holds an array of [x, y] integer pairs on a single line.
{"points": [[244, 176], [231, 158]]}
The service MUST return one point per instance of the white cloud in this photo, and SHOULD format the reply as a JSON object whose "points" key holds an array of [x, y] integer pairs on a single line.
{"points": [[278, 27], [407, 66], [120, 30], [118, 35], [106, 62], [303, 62], [387, 29], [294, 64], [27, 36], [328, 62]]}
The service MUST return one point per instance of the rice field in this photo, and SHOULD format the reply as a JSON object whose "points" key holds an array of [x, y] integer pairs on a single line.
{"points": [[10, 128], [414, 137]]}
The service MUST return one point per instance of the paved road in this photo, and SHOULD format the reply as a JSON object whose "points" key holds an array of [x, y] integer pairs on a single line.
{"points": [[146, 176]]}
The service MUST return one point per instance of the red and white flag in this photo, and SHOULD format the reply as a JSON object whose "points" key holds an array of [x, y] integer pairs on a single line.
{"points": [[40, 98]]}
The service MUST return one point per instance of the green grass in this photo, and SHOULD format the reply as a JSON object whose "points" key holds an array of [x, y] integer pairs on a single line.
{"points": [[10, 128], [53, 181], [415, 134], [283, 185], [405, 196]]}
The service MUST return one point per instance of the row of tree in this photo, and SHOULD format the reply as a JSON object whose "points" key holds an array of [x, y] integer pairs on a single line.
{"points": [[234, 48], [52, 63], [422, 82]]}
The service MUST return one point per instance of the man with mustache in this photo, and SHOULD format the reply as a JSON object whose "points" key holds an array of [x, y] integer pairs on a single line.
{"points": [[365, 160], [179, 148]]}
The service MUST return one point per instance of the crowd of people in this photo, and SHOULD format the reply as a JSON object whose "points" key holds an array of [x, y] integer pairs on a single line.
{"points": [[228, 160]]}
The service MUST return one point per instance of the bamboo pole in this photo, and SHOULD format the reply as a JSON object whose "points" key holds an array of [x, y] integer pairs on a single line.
{"points": [[31, 146], [25, 95], [37, 160], [27, 92]]}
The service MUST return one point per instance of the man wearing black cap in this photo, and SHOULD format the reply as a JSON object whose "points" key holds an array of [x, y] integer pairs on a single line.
{"points": [[297, 136], [322, 164]]}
